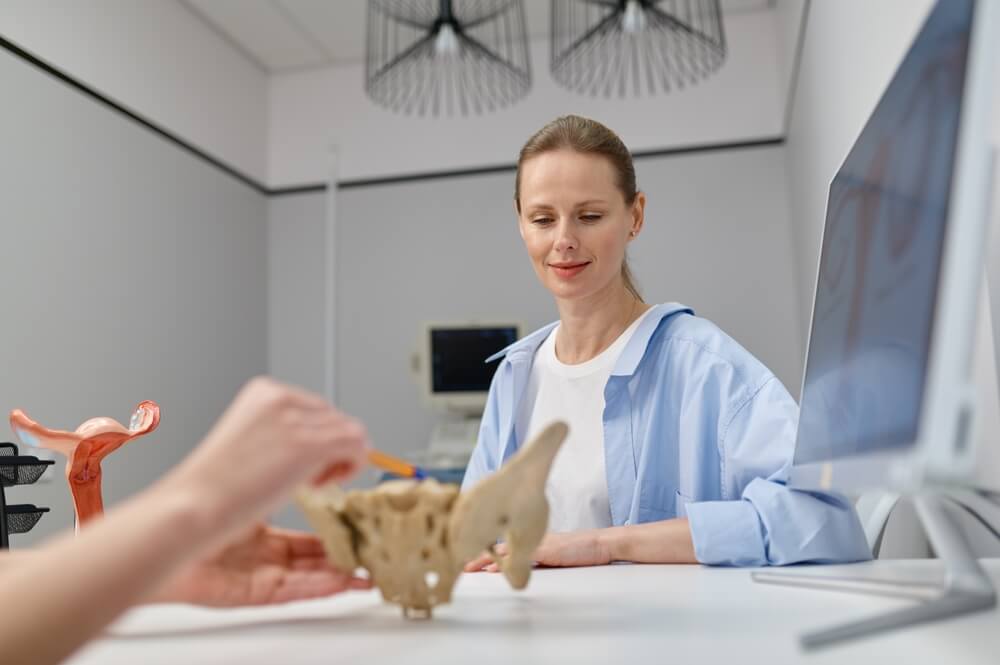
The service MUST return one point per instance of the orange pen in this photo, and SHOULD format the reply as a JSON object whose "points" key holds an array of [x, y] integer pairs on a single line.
{"points": [[393, 464]]}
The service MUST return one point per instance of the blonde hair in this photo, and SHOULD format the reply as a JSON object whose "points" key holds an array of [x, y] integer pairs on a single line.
{"points": [[592, 138]]}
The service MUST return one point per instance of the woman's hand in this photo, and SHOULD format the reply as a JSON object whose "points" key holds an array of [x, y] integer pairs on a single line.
{"points": [[271, 438], [261, 567], [578, 548], [186, 535]]}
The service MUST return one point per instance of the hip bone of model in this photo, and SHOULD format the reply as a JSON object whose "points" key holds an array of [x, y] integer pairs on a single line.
{"points": [[414, 537]]}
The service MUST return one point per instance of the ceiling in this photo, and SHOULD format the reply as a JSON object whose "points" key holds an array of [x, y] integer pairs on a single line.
{"points": [[285, 35]]}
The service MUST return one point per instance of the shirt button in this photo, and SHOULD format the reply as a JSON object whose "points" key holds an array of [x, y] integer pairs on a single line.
{"points": [[627, 522]]}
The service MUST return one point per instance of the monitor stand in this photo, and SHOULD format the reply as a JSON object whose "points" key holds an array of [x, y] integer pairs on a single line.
{"points": [[453, 439], [966, 587]]}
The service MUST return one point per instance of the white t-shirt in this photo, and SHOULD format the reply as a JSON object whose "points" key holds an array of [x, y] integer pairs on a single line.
{"points": [[577, 487]]}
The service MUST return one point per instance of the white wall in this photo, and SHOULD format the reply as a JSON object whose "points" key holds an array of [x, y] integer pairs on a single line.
{"points": [[851, 49], [131, 271], [789, 15], [158, 59], [312, 110]]}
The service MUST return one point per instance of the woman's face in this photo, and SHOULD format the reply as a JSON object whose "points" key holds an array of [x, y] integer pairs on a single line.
{"points": [[575, 222]]}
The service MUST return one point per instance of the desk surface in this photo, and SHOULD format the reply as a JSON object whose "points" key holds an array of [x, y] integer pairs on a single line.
{"points": [[609, 614]]}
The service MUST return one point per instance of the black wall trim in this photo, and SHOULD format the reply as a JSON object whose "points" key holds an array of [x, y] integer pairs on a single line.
{"points": [[510, 168], [298, 189], [429, 175], [711, 147], [345, 184], [132, 115]]}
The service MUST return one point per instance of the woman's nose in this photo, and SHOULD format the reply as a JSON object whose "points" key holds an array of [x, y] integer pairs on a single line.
{"points": [[565, 240]]}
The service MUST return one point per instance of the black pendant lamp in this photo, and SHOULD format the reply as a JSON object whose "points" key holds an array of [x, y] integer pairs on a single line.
{"points": [[444, 57], [635, 46]]}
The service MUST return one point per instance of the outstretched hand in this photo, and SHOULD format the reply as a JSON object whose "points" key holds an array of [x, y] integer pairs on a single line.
{"points": [[261, 567], [578, 548]]}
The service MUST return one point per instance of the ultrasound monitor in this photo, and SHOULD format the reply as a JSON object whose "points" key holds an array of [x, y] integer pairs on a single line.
{"points": [[457, 378]]}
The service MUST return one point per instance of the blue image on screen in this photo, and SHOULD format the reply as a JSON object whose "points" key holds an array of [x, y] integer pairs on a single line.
{"points": [[881, 255]]}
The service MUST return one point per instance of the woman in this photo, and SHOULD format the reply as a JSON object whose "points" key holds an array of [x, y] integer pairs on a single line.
{"points": [[187, 537], [680, 440]]}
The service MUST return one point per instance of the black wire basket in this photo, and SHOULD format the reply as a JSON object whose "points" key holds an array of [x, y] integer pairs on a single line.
{"points": [[22, 518], [22, 470], [18, 470]]}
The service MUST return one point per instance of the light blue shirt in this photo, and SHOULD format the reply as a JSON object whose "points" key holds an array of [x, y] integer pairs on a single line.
{"points": [[694, 426]]}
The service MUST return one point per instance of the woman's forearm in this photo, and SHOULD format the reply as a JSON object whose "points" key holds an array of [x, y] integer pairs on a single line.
{"points": [[110, 565], [668, 541], [69, 589], [10, 558]]}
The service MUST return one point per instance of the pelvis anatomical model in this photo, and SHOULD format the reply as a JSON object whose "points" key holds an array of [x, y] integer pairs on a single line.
{"points": [[414, 537], [84, 449]]}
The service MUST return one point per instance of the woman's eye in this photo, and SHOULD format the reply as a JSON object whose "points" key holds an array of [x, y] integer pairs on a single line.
{"points": [[542, 221], [590, 218]]}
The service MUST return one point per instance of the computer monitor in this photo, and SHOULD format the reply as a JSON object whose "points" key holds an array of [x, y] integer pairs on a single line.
{"points": [[456, 376], [887, 397]]}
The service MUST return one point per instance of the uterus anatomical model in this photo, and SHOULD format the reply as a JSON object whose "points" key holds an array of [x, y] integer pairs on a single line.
{"points": [[85, 448]]}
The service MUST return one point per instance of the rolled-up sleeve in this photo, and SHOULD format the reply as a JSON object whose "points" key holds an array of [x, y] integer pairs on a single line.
{"points": [[766, 522]]}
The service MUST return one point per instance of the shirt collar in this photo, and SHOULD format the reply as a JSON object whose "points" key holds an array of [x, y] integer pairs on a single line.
{"points": [[526, 344], [631, 354]]}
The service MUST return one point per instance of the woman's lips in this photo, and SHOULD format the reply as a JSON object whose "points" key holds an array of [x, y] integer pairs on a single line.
{"points": [[568, 270]]}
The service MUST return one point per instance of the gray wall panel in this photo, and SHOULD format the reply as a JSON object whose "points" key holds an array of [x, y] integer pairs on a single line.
{"points": [[131, 270], [296, 294]]}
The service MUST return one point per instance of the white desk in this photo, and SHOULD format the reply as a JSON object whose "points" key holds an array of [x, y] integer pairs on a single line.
{"points": [[611, 614]]}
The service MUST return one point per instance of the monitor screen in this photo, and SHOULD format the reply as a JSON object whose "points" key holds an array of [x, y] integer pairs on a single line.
{"points": [[458, 357], [881, 256]]}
